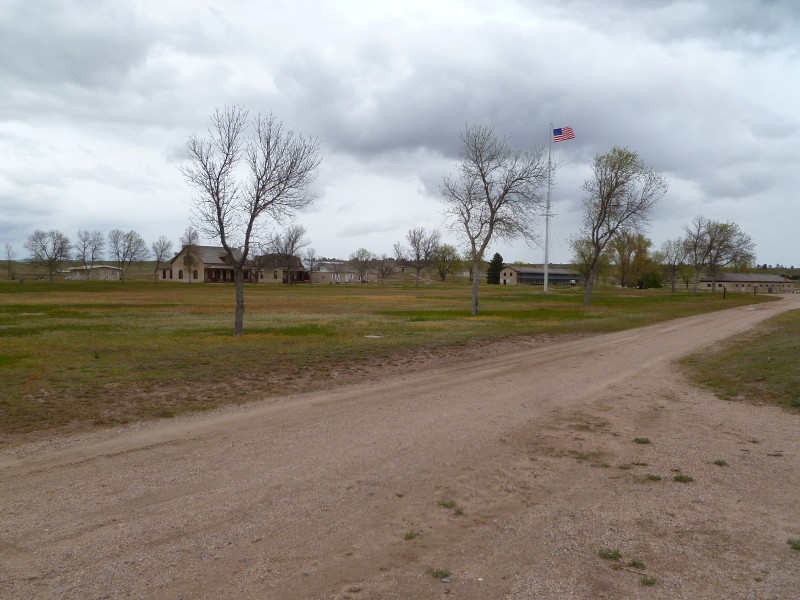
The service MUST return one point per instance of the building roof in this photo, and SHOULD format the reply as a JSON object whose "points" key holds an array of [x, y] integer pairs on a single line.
{"points": [[539, 269], [748, 278], [335, 266], [279, 261], [92, 267], [214, 256]]}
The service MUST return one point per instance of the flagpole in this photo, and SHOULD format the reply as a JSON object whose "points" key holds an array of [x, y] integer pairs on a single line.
{"points": [[547, 206]]}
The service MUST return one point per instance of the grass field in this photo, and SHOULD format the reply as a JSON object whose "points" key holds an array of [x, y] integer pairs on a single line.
{"points": [[763, 369], [81, 353]]}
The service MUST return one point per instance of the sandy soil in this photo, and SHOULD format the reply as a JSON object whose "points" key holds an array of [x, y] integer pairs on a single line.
{"points": [[313, 496]]}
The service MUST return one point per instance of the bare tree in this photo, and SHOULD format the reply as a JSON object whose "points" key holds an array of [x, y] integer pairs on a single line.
{"points": [[279, 167], [386, 266], [161, 249], [672, 255], [48, 249], [311, 260], [126, 248], [492, 194], [287, 246], [10, 254], [620, 195], [447, 259], [733, 247], [337, 268], [89, 248], [360, 261], [713, 245], [696, 247], [190, 242], [421, 250]]}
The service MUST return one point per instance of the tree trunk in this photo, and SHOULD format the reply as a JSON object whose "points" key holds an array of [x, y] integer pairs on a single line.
{"points": [[476, 265], [694, 285], [416, 283], [238, 277], [590, 277]]}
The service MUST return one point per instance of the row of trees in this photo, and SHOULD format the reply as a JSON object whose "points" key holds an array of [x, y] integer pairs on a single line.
{"points": [[494, 193], [422, 250], [248, 172], [51, 249], [706, 247]]}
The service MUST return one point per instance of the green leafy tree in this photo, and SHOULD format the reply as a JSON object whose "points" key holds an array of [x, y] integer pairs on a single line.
{"points": [[447, 259], [620, 194], [495, 267], [583, 259], [629, 254]]}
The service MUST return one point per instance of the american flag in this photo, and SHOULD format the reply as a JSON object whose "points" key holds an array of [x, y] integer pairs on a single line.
{"points": [[563, 133]]}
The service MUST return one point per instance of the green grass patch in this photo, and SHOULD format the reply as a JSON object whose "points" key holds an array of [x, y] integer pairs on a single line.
{"points": [[641, 440], [81, 354], [794, 543], [721, 462], [609, 553], [682, 478], [647, 580], [760, 368], [438, 573]]}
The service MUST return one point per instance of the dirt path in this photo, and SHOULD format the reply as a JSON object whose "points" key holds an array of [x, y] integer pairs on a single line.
{"points": [[313, 497]]}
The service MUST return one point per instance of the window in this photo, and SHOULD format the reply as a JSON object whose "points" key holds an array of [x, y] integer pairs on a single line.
{"points": [[274, 274], [163, 274], [194, 274], [180, 274]]}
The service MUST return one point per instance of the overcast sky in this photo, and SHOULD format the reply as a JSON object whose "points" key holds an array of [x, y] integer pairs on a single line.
{"points": [[99, 97]]}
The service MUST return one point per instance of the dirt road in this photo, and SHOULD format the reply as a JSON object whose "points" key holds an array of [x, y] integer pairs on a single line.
{"points": [[339, 494]]}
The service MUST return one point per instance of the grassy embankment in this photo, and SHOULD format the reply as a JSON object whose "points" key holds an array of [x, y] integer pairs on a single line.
{"points": [[75, 354], [762, 369]]}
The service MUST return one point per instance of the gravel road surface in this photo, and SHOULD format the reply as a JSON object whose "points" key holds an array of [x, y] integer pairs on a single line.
{"points": [[512, 472]]}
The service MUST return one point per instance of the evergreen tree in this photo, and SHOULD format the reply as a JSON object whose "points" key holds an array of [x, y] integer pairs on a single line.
{"points": [[495, 266]]}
